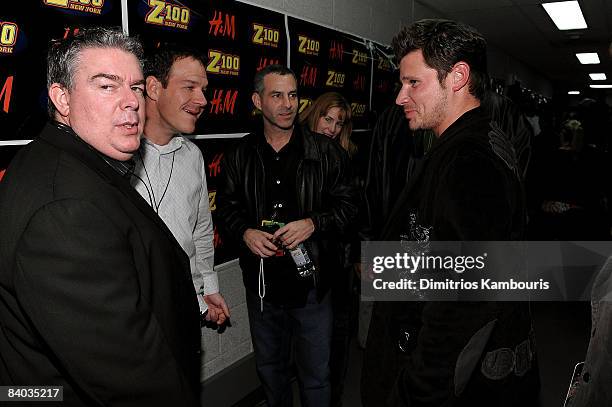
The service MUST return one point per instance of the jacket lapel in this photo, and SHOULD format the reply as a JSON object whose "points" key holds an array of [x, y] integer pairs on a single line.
{"points": [[68, 141]]}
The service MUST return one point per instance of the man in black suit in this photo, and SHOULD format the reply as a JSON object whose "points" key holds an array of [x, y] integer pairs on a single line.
{"points": [[95, 292]]}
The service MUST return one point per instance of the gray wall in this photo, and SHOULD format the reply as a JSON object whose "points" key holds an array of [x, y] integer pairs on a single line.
{"points": [[223, 349]]}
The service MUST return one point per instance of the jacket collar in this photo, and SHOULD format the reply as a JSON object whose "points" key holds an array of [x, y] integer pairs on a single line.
{"points": [[65, 139], [466, 119]]}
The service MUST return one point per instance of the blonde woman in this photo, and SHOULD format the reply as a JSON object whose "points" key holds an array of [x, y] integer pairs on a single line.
{"points": [[330, 115]]}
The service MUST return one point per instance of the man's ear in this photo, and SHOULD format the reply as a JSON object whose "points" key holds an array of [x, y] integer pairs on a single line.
{"points": [[153, 87], [256, 100], [60, 97], [460, 75]]}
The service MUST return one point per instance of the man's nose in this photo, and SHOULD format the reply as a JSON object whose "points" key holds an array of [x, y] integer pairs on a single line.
{"points": [[286, 101], [131, 100], [200, 98], [402, 96]]}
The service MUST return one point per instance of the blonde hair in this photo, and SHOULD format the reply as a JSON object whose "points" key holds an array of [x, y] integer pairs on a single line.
{"points": [[319, 108]]}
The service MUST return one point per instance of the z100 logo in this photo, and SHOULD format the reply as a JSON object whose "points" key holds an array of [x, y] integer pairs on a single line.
{"points": [[359, 57], [384, 64], [168, 15], [8, 36], [88, 6], [308, 46], [304, 103], [335, 79], [222, 63], [267, 36], [358, 109], [212, 201]]}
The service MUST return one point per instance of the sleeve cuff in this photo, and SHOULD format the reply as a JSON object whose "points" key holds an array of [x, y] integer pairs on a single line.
{"points": [[211, 283]]}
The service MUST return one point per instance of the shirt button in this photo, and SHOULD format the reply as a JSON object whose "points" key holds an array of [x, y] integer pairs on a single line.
{"points": [[277, 181], [277, 158]]}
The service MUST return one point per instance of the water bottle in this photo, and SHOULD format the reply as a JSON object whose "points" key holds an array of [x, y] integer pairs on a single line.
{"points": [[305, 266]]}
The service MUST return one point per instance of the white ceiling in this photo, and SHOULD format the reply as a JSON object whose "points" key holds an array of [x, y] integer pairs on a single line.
{"points": [[522, 29]]}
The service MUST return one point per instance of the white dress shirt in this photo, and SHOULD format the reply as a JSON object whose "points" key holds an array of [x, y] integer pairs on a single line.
{"points": [[172, 178]]}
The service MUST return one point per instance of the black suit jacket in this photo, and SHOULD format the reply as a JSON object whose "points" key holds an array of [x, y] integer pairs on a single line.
{"points": [[95, 292]]}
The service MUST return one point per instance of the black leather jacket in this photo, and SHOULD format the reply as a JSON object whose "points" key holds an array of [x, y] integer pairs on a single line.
{"points": [[324, 191]]}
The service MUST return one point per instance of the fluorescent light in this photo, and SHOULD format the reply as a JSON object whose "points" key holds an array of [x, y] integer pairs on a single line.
{"points": [[598, 76], [566, 15], [588, 58], [601, 86], [573, 92]]}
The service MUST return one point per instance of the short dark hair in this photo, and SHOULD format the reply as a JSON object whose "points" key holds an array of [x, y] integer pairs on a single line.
{"points": [[159, 60], [444, 43], [258, 81], [64, 56]]}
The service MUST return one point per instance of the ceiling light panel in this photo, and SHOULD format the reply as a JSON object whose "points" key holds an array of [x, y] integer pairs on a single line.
{"points": [[598, 76], [586, 58], [566, 15]]}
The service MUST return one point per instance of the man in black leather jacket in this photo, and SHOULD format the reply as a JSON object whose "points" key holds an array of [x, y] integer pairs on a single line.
{"points": [[467, 188], [302, 183]]}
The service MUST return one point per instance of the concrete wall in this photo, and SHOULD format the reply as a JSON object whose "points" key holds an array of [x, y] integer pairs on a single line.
{"points": [[223, 349]]}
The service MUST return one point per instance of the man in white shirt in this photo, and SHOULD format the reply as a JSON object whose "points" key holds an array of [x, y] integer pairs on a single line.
{"points": [[170, 172]]}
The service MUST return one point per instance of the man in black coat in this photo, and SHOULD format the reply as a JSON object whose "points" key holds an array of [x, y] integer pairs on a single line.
{"points": [[467, 188], [302, 181], [95, 293]]}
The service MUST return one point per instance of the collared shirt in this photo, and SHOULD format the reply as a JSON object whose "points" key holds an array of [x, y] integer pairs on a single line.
{"points": [[172, 179], [280, 168], [280, 175]]}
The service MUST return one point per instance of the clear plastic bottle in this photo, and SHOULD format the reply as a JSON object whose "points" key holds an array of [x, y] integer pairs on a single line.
{"points": [[303, 263], [305, 266]]}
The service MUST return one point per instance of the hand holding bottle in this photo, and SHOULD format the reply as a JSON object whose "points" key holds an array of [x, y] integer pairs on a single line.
{"points": [[294, 233], [259, 242]]}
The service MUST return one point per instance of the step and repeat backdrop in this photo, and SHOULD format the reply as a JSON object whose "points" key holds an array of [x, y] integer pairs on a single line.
{"points": [[239, 39]]}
